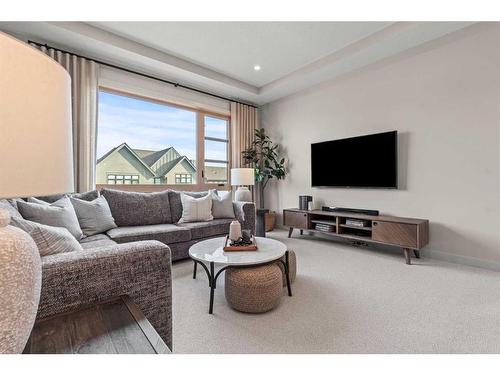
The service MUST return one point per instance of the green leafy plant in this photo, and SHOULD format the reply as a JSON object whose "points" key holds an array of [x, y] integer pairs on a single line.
{"points": [[263, 155]]}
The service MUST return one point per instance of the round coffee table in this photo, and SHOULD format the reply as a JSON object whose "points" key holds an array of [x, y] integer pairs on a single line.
{"points": [[210, 251]]}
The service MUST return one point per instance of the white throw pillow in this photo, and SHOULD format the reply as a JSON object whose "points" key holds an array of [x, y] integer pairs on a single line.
{"points": [[196, 209], [222, 205]]}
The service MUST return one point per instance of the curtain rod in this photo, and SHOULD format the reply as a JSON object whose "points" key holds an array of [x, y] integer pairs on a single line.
{"points": [[175, 84]]}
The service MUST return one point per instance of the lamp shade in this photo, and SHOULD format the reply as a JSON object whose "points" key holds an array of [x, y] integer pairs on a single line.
{"points": [[36, 154], [242, 176]]}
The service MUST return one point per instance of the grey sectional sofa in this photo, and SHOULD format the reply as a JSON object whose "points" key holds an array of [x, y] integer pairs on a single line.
{"points": [[133, 259]]}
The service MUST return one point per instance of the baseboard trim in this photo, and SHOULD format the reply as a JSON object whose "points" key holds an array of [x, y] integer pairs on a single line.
{"points": [[461, 259], [451, 258]]}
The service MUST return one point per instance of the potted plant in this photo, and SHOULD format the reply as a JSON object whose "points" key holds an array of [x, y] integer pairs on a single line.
{"points": [[263, 155]]}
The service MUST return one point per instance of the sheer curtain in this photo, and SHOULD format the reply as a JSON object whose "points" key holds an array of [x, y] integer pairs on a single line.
{"points": [[244, 120], [84, 91]]}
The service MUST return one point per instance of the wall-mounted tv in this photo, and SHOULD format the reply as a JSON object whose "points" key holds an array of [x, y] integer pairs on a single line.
{"points": [[368, 161]]}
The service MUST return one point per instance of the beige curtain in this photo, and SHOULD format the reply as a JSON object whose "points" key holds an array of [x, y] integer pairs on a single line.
{"points": [[84, 88], [244, 121]]}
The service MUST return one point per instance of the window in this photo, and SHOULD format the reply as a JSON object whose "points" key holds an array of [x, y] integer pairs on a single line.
{"points": [[216, 150], [120, 179], [145, 141], [181, 178]]}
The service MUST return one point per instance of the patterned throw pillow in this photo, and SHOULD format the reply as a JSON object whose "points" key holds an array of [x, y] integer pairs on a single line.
{"points": [[95, 216], [58, 214], [196, 209], [222, 205], [49, 240]]}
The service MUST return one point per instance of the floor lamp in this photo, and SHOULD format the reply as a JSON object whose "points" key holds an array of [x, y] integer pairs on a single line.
{"points": [[36, 158]]}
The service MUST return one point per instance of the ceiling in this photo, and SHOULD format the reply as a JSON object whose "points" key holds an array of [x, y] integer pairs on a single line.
{"points": [[220, 56]]}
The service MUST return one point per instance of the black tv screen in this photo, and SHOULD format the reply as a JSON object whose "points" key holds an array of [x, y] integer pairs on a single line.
{"points": [[368, 161]]}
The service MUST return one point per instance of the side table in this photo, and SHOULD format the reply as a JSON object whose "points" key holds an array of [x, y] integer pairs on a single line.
{"points": [[114, 327]]}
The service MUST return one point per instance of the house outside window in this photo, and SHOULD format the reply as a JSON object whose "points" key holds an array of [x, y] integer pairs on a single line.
{"points": [[183, 178], [159, 143], [120, 179]]}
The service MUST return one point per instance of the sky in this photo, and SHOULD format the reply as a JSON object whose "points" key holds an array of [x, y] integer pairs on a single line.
{"points": [[151, 126]]}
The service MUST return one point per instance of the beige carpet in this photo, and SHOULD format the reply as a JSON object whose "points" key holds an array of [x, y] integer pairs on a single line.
{"points": [[347, 300]]}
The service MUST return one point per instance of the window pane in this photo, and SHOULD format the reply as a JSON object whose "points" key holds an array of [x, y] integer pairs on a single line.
{"points": [[215, 127], [215, 150], [215, 173], [141, 140]]}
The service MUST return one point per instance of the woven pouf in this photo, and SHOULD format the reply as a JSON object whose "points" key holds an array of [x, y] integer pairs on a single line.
{"points": [[254, 289], [292, 264]]}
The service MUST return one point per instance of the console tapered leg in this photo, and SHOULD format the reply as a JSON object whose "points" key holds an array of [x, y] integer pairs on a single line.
{"points": [[407, 256], [290, 232], [417, 254]]}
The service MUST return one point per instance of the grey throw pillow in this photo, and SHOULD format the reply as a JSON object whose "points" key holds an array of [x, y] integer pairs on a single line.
{"points": [[11, 209], [49, 240], [87, 196], [95, 216], [222, 205], [58, 214]]}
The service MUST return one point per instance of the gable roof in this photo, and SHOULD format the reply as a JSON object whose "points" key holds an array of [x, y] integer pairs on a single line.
{"points": [[153, 157], [128, 148], [167, 167]]}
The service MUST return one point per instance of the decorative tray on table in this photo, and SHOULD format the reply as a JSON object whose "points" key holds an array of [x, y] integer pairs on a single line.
{"points": [[235, 246]]}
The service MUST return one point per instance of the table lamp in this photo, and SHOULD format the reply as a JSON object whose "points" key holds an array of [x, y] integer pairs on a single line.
{"points": [[242, 177], [36, 158]]}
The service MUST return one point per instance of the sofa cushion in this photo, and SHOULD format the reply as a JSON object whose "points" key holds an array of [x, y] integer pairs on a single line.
{"points": [[94, 216], [58, 214], [97, 240], [87, 196], [130, 208], [166, 233], [216, 227], [176, 203]]}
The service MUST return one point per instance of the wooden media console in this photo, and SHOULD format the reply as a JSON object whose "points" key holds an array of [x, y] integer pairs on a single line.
{"points": [[407, 233]]}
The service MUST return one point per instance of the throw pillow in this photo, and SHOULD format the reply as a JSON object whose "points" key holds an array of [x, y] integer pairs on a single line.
{"points": [[49, 240], [176, 203], [222, 206], [196, 209], [12, 210], [58, 214], [94, 216]]}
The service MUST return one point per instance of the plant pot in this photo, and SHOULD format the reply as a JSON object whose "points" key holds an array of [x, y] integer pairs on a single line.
{"points": [[270, 221]]}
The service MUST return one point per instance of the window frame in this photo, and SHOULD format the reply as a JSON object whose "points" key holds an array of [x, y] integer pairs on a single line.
{"points": [[200, 146]]}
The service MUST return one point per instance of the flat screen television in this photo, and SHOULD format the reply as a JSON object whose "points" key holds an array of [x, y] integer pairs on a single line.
{"points": [[368, 161]]}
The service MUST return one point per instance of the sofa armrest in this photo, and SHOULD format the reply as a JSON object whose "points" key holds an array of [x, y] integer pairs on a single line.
{"points": [[141, 270], [245, 214]]}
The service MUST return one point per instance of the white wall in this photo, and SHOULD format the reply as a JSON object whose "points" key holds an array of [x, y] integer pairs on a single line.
{"points": [[445, 104]]}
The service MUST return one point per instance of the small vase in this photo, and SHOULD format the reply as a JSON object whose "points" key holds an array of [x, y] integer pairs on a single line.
{"points": [[234, 230]]}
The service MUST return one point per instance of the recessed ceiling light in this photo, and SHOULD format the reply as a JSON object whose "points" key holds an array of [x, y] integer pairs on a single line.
{"points": [[256, 67]]}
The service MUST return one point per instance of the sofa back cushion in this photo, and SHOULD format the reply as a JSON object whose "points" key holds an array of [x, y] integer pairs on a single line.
{"points": [[87, 196], [176, 202], [130, 208]]}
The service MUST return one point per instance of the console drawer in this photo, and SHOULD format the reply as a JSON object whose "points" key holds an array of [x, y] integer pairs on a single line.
{"points": [[395, 233], [295, 219]]}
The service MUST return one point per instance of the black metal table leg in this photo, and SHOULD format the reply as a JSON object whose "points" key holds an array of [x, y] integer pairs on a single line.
{"points": [[194, 269], [287, 274], [212, 287]]}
